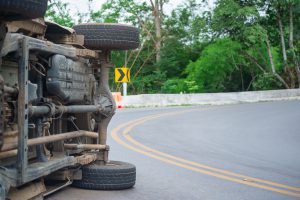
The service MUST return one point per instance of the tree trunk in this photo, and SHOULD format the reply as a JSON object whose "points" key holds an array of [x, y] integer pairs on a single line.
{"points": [[254, 61], [157, 21], [242, 78], [283, 47], [291, 44], [291, 27], [273, 66]]}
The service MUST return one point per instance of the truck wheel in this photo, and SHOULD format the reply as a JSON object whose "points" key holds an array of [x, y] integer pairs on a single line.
{"points": [[114, 175], [22, 9], [108, 36]]}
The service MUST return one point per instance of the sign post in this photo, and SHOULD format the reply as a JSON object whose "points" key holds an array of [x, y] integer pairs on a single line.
{"points": [[124, 89]]}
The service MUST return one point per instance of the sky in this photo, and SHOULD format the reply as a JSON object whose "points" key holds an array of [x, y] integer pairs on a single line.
{"points": [[82, 6]]}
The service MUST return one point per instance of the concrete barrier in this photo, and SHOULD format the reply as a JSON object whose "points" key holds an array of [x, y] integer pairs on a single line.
{"points": [[153, 100]]}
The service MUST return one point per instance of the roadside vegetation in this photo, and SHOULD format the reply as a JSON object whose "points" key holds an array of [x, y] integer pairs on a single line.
{"points": [[234, 45]]}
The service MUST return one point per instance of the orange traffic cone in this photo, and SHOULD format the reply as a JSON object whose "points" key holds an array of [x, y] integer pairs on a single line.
{"points": [[118, 99]]}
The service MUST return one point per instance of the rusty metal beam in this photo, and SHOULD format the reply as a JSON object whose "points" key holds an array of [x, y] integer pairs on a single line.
{"points": [[51, 138], [22, 161], [10, 90], [35, 111], [29, 191], [8, 154], [86, 146]]}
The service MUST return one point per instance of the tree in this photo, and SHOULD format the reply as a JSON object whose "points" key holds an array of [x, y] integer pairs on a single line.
{"points": [[244, 22], [239, 45], [157, 12], [284, 14], [59, 13], [216, 69]]}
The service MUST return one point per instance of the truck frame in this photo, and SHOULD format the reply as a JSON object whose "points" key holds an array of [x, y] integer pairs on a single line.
{"points": [[56, 105]]}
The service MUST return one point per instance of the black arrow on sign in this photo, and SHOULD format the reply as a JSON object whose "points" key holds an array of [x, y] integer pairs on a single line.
{"points": [[122, 75]]}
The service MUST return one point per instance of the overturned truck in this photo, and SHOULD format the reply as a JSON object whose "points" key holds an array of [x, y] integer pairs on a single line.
{"points": [[55, 103]]}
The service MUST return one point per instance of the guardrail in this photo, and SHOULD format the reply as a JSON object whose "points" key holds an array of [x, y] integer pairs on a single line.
{"points": [[153, 100]]}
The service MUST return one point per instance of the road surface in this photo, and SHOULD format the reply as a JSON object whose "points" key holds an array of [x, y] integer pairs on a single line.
{"points": [[231, 152]]}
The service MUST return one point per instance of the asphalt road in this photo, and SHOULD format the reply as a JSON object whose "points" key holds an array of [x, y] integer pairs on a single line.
{"points": [[244, 152]]}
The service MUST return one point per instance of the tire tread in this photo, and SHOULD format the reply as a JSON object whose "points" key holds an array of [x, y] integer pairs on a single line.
{"points": [[109, 36], [118, 176], [22, 9]]}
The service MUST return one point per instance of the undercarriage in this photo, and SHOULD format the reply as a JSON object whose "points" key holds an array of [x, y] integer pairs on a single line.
{"points": [[55, 106]]}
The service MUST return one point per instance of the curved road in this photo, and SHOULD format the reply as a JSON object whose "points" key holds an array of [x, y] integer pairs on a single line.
{"points": [[246, 151]]}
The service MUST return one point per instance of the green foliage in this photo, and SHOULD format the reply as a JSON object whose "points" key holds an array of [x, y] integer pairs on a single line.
{"points": [[149, 83], [59, 13], [192, 86], [186, 23], [174, 58], [266, 82], [231, 18], [174, 86], [212, 70], [219, 50], [129, 11]]}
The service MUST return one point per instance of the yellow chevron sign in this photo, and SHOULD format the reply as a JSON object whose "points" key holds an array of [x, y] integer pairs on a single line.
{"points": [[122, 75]]}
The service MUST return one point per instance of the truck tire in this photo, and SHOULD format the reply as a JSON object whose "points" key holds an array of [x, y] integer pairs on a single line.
{"points": [[22, 9], [108, 36], [114, 175]]}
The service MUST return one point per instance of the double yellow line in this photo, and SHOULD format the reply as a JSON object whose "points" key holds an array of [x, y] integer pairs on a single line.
{"points": [[134, 145]]}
